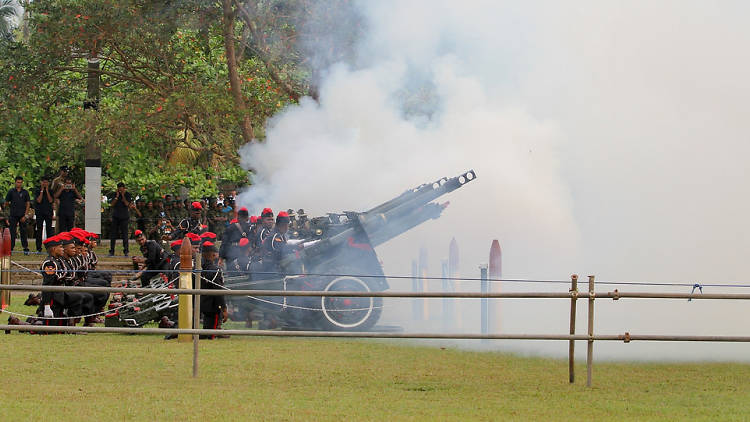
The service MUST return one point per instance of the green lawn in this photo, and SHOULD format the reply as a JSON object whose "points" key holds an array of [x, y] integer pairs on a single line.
{"points": [[124, 377]]}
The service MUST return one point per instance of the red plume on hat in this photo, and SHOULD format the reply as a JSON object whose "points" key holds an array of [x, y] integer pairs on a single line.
{"points": [[175, 244], [207, 243], [196, 206], [208, 235], [193, 236], [267, 212], [137, 233]]}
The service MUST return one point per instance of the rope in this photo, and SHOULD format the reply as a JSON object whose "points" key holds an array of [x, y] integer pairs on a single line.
{"points": [[284, 305], [67, 317]]}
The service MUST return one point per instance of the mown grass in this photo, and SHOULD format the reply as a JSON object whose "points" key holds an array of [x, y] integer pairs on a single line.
{"points": [[122, 377]]}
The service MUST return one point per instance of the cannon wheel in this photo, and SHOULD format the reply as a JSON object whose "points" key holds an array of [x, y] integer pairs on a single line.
{"points": [[349, 313]]}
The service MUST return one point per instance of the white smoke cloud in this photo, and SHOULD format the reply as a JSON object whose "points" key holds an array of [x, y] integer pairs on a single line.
{"points": [[608, 138]]}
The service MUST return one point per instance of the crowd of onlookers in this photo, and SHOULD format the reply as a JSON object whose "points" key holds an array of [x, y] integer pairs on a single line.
{"points": [[55, 205]]}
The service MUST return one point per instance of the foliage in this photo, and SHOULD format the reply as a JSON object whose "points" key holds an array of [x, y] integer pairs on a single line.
{"points": [[165, 117]]}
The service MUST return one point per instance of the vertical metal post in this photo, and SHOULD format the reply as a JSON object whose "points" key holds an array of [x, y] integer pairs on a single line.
{"points": [[197, 313], [455, 318], [185, 309], [5, 267], [484, 320], [416, 305], [447, 287], [572, 343], [495, 273], [424, 284], [590, 350]]}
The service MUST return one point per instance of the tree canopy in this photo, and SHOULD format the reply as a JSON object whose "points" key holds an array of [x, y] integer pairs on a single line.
{"points": [[182, 85]]}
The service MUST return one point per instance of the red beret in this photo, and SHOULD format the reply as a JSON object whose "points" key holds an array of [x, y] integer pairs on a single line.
{"points": [[208, 235], [267, 212], [193, 236], [243, 209], [137, 233], [254, 219], [196, 206], [283, 214], [177, 243]]}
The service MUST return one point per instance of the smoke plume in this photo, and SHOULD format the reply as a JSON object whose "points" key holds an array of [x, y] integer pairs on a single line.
{"points": [[608, 139]]}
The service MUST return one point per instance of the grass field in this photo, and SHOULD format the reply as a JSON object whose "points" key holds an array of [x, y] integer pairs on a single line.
{"points": [[123, 377]]}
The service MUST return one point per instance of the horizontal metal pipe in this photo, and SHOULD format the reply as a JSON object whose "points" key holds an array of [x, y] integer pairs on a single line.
{"points": [[213, 292], [467, 295], [370, 334]]}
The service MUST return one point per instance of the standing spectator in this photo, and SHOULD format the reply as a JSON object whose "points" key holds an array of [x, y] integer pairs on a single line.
{"points": [[220, 199], [19, 201], [67, 194], [60, 179], [120, 217], [43, 201]]}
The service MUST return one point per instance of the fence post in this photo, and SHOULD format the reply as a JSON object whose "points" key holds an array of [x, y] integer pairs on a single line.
{"points": [[197, 312], [5, 276], [424, 283], [495, 273], [455, 318], [483, 308], [416, 304], [572, 343], [185, 309], [590, 350]]}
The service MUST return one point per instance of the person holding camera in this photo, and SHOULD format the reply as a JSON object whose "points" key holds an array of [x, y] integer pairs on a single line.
{"points": [[67, 194], [43, 201], [19, 201], [120, 207]]}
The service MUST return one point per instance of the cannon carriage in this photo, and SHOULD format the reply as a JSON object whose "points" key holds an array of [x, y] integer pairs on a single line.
{"points": [[337, 254]]}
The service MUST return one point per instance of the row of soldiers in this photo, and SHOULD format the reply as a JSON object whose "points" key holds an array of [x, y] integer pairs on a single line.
{"points": [[71, 261]]}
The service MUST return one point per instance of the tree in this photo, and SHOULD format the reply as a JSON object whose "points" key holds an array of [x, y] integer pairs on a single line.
{"points": [[8, 15]]}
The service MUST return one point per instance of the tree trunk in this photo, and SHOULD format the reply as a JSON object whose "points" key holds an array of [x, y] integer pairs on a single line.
{"points": [[234, 78]]}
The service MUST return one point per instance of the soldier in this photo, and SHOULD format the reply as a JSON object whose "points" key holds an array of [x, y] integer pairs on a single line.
{"points": [[274, 246], [54, 304], [178, 212], [191, 224], [241, 264], [214, 308], [69, 276], [19, 202], [217, 222], [43, 201], [120, 217], [234, 233], [66, 196], [266, 222], [154, 258], [85, 275]]}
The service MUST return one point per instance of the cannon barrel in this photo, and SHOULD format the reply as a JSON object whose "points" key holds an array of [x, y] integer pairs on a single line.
{"points": [[385, 221]]}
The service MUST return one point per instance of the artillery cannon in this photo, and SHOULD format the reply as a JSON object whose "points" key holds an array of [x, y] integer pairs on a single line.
{"points": [[337, 254]]}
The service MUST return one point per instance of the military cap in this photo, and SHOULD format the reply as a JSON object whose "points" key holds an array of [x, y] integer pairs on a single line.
{"points": [[196, 206], [254, 219], [177, 244], [282, 218], [51, 241], [243, 212], [267, 212]]}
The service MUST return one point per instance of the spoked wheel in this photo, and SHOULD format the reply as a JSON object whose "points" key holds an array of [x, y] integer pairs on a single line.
{"points": [[349, 313]]}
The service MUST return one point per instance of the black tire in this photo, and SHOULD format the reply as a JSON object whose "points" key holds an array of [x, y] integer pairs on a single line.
{"points": [[349, 313]]}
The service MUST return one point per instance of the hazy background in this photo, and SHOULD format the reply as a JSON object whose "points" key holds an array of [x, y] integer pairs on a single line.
{"points": [[609, 138]]}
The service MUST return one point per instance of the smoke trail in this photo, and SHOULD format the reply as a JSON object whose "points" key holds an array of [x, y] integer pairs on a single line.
{"points": [[607, 139]]}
